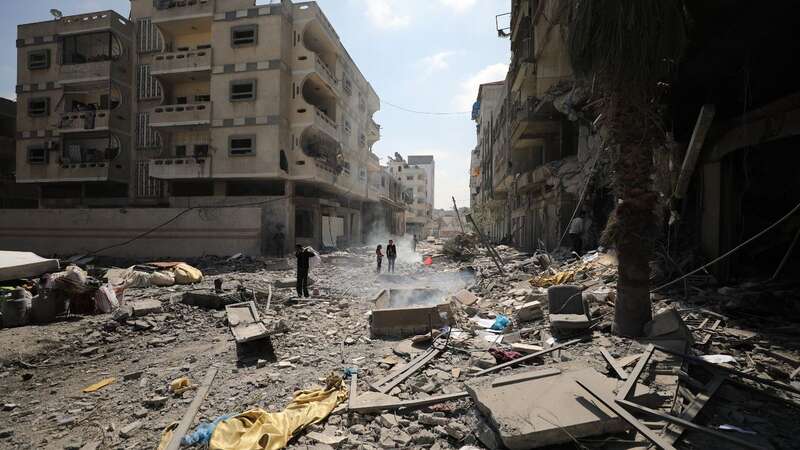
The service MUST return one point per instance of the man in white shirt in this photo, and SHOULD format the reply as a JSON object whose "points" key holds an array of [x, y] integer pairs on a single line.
{"points": [[576, 234]]}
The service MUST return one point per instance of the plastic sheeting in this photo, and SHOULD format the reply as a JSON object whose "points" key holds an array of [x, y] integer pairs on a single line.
{"points": [[260, 430]]}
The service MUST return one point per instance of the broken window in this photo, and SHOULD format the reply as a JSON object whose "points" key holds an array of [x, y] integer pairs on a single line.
{"points": [[37, 154], [201, 150], [203, 98], [243, 90], [38, 59], [91, 47], [244, 35], [39, 107], [241, 145], [180, 151]]}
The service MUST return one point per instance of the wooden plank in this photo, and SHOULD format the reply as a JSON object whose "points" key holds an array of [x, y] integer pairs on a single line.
{"points": [[392, 374], [614, 365], [526, 358], [703, 124], [353, 390], [716, 324], [188, 417], [407, 371], [747, 376], [609, 403], [673, 432], [703, 325], [407, 404], [627, 388], [688, 424], [526, 376]]}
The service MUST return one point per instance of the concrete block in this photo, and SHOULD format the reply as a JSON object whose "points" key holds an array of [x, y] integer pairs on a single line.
{"points": [[569, 321], [526, 348], [529, 311], [144, 307], [548, 411], [465, 297]]}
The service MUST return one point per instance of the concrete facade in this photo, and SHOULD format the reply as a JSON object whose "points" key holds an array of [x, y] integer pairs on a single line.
{"points": [[417, 184], [217, 99]]}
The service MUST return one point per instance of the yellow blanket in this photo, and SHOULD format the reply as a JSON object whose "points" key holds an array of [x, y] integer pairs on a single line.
{"points": [[260, 430]]}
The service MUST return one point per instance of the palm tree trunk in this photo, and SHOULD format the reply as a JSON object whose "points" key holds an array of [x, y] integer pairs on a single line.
{"points": [[634, 231]]}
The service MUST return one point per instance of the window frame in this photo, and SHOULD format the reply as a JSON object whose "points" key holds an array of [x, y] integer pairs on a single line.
{"points": [[250, 27], [44, 113], [251, 137], [35, 147], [47, 58], [251, 81]]}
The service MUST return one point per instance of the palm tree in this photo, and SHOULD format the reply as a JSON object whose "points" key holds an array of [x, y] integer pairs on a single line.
{"points": [[624, 49]]}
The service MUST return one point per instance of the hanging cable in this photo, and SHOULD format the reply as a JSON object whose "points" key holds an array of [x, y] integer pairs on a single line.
{"points": [[427, 113]]}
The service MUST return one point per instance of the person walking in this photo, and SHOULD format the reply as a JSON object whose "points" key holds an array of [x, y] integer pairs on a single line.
{"points": [[303, 256], [379, 257], [576, 234], [391, 255]]}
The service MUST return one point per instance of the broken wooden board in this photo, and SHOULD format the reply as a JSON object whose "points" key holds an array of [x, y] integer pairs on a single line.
{"points": [[363, 405], [673, 432], [188, 418], [399, 375], [547, 411], [527, 357], [525, 376], [244, 322], [614, 364]]}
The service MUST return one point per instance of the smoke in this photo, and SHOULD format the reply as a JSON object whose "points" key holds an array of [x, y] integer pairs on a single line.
{"points": [[378, 234]]}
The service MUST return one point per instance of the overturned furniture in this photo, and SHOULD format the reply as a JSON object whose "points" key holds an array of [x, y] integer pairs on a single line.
{"points": [[569, 312], [409, 312], [245, 323]]}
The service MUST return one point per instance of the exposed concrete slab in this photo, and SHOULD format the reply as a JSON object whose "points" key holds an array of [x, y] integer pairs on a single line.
{"points": [[408, 312], [15, 265], [144, 307], [529, 311], [547, 411], [465, 297]]}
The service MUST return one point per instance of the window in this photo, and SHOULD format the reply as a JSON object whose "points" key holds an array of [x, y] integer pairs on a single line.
{"points": [[284, 162], [410, 177], [37, 154], [39, 107], [241, 145], [243, 90], [180, 151], [244, 35], [201, 150], [347, 126], [38, 59], [205, 98]]}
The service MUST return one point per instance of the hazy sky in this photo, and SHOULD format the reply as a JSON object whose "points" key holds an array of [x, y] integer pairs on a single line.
{"points": [[424, 55]]}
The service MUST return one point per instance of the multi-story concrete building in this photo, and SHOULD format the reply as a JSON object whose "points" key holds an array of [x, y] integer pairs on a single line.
{"points": [[12, 195], [427, 163], [416, 188], [199, 101]]}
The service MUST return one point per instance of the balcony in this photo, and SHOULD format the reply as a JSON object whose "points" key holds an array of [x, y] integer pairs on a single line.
{"points": [[86, 72], [529, 124], [373, 131], [182, 10], [84, 121], [93, 22], [87, 171], [185, 63], [180, 168], [181, 116]]}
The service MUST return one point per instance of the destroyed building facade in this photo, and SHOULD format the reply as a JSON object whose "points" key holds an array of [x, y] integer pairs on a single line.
{"points": [[416, 176], [206, 102]]}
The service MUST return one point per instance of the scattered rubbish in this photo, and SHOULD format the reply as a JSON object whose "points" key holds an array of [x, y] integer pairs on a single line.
{"points": [[500, 323], [727, 427], [99, 385], [245, 323], [181, 385], [718, 359]]}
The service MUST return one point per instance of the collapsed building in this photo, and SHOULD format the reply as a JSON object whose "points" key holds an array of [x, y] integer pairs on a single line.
{"points": [[212, 103], [541, 158]]}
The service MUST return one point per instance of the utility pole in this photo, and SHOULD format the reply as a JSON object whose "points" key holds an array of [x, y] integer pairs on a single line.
{"points": [[460, 223]]}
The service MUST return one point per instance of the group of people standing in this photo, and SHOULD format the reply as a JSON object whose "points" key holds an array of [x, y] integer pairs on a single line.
{"points": [[391, 256]]}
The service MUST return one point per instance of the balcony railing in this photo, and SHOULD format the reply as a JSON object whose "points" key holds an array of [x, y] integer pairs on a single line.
{"points": [[180, 168], [86, 171], [326, 123], [83, 121], [187, 115], [182, 62], [326, 71], [90, 71], [173, 10]]}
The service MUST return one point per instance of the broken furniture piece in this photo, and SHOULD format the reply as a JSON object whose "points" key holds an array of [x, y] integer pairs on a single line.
{"points": [[16, 265], [244, 322], [402, 313], [569, 312], [400, 374]]}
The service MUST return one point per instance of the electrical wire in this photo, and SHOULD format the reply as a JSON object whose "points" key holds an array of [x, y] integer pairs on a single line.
{"points": [[734, 250], [427, 113]]}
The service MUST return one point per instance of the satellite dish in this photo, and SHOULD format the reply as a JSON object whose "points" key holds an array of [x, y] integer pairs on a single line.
{"points": [[56, 14]]}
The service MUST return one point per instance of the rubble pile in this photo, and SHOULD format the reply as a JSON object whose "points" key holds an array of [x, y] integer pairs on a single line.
{"points": [[477, 357]]}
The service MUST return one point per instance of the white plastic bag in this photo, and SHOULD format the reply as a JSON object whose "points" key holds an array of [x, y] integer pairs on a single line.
{"points": [[314, 261], [105, 299]]}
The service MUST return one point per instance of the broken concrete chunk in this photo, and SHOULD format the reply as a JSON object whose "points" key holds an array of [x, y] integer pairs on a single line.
{"points": [[547, 411], [465, 297], [129, 429], [526, 348], [529, 311], [145, 307]]}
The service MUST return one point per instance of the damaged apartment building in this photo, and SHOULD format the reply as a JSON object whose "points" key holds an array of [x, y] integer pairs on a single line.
{"points": [[203, 102], [417, 178], [724, 173]]}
